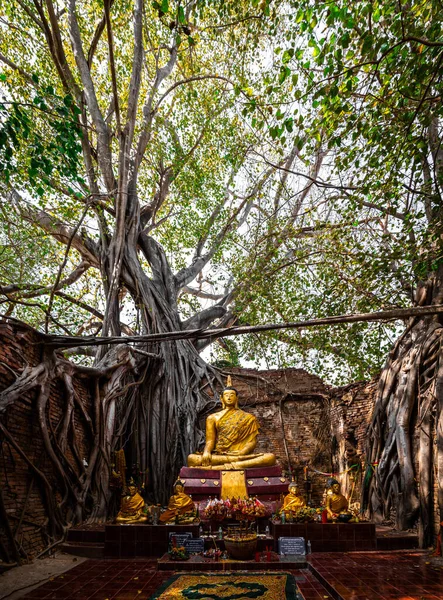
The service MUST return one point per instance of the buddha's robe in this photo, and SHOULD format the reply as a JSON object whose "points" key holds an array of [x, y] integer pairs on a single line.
{"points": [[234, 434], [131, 509], [292, 503], [235, 430], [179, 504], [336, 503]]}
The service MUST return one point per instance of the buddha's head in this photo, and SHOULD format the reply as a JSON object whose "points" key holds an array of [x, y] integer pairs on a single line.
{"points": [[333, 485], [179, 487], [229, 398], [132, 488], [293, 488]]}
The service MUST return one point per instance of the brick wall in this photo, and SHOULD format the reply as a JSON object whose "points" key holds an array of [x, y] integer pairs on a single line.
{"points": [[21, 492], [324, 427], [350, 413]]}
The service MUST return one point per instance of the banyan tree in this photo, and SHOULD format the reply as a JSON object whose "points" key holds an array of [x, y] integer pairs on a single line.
{"points": [[175, 166]]}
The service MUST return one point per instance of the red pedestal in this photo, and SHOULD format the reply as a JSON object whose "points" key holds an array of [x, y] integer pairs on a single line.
{"points": [[267, 483]]}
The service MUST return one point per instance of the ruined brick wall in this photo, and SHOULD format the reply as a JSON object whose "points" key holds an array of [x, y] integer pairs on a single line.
{"points": [[21, 492], [312, 423]]}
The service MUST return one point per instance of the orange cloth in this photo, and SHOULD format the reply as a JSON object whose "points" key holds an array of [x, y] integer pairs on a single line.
{"points": [[131, 508], [292, 503], [235, 429], [337, 503], [179, 504]]}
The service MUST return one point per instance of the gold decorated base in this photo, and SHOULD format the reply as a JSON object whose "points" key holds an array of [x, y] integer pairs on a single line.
{"points": [[233, 485]]}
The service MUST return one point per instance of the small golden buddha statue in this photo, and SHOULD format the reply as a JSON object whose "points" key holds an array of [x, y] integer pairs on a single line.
{"points": [[292, 501], [180, 505], [231, 437], [336, 503], [131, 507]]}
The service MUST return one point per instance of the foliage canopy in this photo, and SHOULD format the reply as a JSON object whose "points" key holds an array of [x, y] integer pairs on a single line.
{"points": [[287, 157]]}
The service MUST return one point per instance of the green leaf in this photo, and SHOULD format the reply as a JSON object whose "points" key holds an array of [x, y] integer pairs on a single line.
{"points": [[368, 43], [287, 55], [284, 73], [289, 124]]}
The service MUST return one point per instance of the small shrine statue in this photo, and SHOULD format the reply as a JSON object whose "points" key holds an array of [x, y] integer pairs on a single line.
{"points": [[132, 506], [231, 437], [180, 506], [336, 503], [292, 501]]}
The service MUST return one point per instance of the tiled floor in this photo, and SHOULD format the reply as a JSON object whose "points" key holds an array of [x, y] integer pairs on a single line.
{"points": [[310, 587], [104, 580], [404, 575], [338, 576]]}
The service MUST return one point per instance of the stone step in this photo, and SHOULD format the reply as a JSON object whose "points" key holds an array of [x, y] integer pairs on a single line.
{"points": [[82, 534], [323, 584], [87, 549], [309, 588], [5, 566], [199, 563], [406, 542]]}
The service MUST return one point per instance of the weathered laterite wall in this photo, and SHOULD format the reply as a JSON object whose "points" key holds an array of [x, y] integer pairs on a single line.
{"points": [[310, 423], [21, 492]]}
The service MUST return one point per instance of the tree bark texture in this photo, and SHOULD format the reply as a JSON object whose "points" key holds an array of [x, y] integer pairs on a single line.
{"points": [[405, 436], [75, 488]]}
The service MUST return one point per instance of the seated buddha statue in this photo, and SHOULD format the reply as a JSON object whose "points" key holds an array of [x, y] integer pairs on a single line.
{"points": [[292, 501], [336, 503], [231, 437], [131, 507], [180, 505]]}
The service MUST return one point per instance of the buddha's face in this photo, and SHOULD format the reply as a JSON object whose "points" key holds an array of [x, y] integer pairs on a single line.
{"points": [[179, 488], [335, 488], [229, 398], [132, 490], [293, 490]]}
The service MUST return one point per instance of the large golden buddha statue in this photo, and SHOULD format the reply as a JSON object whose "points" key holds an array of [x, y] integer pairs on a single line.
{"points": [[231, 437]]}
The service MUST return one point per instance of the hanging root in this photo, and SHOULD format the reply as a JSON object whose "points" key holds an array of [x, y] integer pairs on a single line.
{"points": [[76, 490], [403, 415]]}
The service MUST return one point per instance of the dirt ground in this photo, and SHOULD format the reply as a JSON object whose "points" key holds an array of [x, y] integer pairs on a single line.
{"points": [[17, 582]]}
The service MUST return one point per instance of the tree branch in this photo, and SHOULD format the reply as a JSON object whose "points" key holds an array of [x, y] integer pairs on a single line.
{"points": [[58, 230], [198, 334], [204, 318], [200, 293], [33, 290], [104, 154]]}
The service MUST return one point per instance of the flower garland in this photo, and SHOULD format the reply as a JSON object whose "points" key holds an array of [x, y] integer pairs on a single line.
{"points": [[247, 509]]}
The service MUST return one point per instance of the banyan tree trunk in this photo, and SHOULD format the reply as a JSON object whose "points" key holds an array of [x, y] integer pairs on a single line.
{"points": [[405, 436], [160, 420]]}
